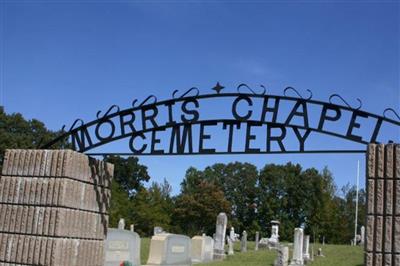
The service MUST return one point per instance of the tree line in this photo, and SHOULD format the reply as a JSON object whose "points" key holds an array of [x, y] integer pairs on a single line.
{"points": [[250, 197]]}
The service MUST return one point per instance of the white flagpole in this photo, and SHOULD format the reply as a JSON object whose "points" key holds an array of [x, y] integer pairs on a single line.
{"points": [[356, 220]]}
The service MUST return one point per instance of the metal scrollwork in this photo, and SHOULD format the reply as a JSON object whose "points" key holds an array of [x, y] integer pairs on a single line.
{"points": [[73, 125], [298, 94], [345, 102], [250, 89], [391, 110], [144, 101], [108, 111], [186, 93]]}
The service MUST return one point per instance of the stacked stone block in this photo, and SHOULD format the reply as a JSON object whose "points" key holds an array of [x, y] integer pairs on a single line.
{"points": [[53, 208], [382, 243]]}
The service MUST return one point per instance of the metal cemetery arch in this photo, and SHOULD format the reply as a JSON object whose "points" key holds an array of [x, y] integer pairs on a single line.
{"points": [[123, 123]]}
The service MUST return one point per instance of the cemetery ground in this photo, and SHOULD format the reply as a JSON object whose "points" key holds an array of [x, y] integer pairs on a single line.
{"points": [[335, 255]]}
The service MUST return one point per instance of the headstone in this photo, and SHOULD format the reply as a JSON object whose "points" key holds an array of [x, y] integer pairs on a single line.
{"points": [[257, 240], [230, 246], [232, 234], [243, 242], [306, 247], [358, 240], [362, 233], [312, 253], [202, 249], [132, 228], [170, 249], [158, 230], [297, 258], [319, 254], [273, 241], [263, 242], [220, 231], [283, 256], [121, 224], [323, 240], [122, 246]]}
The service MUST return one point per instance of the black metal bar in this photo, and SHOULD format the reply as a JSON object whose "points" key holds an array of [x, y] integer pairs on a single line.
{"points": [[231, 153]]}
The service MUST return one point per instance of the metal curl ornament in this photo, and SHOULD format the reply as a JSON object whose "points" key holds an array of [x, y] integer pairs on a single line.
{"points": [[186, 93], [252, 91], [298, 94], [108, 111], [73, 125], [391, 110], [144, 101], [344, 101]]}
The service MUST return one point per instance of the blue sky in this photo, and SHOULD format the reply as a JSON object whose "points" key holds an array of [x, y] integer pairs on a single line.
{"points": [[61, 60]]}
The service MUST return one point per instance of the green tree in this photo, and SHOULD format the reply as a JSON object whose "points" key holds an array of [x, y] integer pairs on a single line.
{"points": [[152, 207], [238, 181], [16, 132], [121, 206], [129, 173], [129, 177], [280, 198], [198, 205]]}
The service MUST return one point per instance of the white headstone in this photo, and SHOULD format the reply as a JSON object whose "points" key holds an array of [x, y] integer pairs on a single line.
{"points": [[362, 233], [230, 246], [132, 227], [219, 240], [170, 249], [306, 247], [121, 224], [283, 256], [232, 234], [263, 242], [297, 258], [243, 242], [319, 254], [273, 241], [122, 245], [257, 240], [202, 249], [312, 253]]}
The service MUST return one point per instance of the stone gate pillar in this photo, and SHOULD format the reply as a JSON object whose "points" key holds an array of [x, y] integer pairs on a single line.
{"points": [[382, 243], [53, 208]]}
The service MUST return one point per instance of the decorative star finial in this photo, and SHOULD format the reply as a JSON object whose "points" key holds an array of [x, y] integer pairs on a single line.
{"points": [[218, 88]]}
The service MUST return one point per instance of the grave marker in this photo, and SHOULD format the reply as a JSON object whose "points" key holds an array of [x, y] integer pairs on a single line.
{"points": [[202, 249], [306, 247], [230, 246], [122, 245], [297, 259], [283, 256], [219, 244], [257, 240], [170, 249], [243, 242]]}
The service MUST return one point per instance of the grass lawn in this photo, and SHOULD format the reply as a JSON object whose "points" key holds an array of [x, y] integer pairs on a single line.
{"points": [[335, 255]]}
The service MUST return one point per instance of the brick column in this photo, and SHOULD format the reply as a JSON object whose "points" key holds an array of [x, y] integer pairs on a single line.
{"points": [[53, 208], [382, 243]]}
